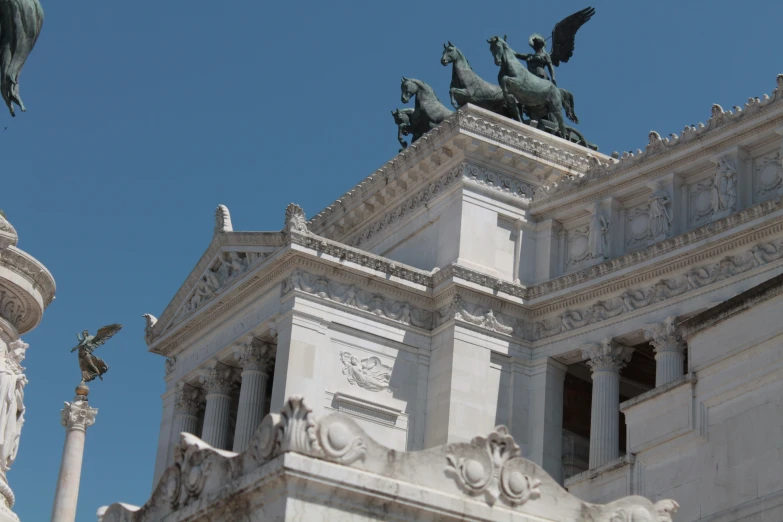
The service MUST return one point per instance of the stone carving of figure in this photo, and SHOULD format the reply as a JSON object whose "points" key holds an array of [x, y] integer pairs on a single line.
{"points": [[598, 235], [724, 189], [12, 382], [660, 217], [370, 374], [236, 263]]}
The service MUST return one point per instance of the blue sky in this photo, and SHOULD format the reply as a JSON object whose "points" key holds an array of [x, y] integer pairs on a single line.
{"points": [[143, 116]]}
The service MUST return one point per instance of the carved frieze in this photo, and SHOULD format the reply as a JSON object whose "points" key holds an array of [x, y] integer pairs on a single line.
{"points": [[658, 146], [460, 310], [351, 295], [768, 176], [230, 265], [724, 188], [651, 222], [368, 373], [636, 298]]}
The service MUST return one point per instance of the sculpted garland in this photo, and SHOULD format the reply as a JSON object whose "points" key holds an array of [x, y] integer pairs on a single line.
{"points": [[350, 295]]}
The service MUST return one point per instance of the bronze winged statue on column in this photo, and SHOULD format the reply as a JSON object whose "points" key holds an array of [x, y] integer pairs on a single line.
{"points": [[91, 365]]}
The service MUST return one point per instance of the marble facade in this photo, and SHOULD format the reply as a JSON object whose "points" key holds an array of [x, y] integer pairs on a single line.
{"points": [[492, 274], [26, 289]]}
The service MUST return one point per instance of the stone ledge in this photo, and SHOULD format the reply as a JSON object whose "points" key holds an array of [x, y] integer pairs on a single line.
{"points": [[590, 474], [660, 390]]}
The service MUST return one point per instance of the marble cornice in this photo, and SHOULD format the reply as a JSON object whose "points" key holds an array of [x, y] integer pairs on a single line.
{"points": [[426, 157], [734, 306], [219, 241], [721, 131], [403, 282], [656, 250], [508, 189], [26, 289], [31, 269]]}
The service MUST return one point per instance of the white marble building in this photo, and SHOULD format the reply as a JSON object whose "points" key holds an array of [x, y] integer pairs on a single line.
{"points": [[492, 274], [26, 289]]}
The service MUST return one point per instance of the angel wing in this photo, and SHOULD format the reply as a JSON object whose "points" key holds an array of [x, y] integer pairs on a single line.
{"points": [[105, 333], [564, 34]]}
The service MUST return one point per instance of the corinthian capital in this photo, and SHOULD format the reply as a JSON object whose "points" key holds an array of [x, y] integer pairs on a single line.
{"points": [[664, 336], [217, 378], [607, 356], [187, 399], [255, 357], [78, 415]]}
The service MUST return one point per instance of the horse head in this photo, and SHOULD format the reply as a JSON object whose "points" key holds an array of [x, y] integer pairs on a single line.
{"points": [[408, 88], [450, 54], [498, 47]]}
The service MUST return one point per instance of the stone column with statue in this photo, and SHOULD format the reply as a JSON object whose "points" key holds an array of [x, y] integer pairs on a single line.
{"points": [[76, 417]]}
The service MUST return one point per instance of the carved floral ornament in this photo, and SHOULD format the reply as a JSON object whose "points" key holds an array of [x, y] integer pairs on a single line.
{"points": [[78, 415], [489, 468], [354, 297], [657, 145]]}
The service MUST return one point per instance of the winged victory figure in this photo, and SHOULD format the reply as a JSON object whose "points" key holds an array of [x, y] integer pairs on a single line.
{"points": [[91, 365], [563, 37]]}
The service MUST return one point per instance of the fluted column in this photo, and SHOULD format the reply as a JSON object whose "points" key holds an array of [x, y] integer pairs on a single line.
{"points": [[669, 350], [605, 359], [256, 362], [187, 400], [76, 416], [218, 381]]}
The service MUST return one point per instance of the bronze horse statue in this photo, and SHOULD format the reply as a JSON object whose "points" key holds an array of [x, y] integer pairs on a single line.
{"points": [[540, 97], [468, 87], [428, 111]]}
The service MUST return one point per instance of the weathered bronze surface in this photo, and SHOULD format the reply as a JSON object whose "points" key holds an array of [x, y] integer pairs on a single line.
{"points": [[90, 365]]}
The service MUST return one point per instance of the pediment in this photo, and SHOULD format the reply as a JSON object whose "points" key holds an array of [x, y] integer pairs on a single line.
{"points": [[229, 257]]}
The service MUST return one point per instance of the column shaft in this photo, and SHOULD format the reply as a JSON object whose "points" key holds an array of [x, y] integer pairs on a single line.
{"points": [[668, 366], [67, 491], [216, 417], [251, 407], [605, 418], [76, 417], [185, 423]]}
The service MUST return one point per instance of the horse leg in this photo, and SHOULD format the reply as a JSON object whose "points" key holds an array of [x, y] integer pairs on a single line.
{"points": [[511, 101], [453, 100], [556, 107]]}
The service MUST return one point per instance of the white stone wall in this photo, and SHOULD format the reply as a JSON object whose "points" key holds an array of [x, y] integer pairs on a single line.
{"points": [[712, 441]]}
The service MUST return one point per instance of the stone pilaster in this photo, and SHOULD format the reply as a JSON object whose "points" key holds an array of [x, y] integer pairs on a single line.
{"points": [[218, 381], [605, 359], [256, 362], [76, 416], [669, 350]]}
